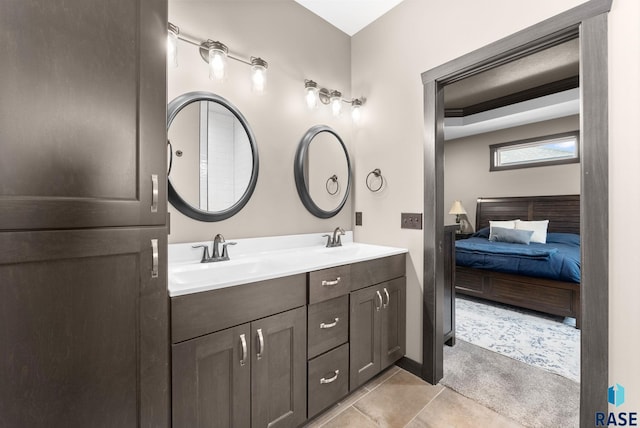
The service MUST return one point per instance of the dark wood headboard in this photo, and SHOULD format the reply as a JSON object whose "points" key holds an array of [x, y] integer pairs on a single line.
{"points": [[563, 211]]}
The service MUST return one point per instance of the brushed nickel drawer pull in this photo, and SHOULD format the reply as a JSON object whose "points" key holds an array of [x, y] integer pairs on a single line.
{"points": [[379, 298], [260, 344], [386, 293], [154, 258], [331, 379], [243, 343], [331, 283], [154, 193], [330, 325]]}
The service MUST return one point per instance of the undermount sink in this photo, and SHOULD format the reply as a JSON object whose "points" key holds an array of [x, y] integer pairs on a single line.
{"points": [[219, 272], [188, 276]]}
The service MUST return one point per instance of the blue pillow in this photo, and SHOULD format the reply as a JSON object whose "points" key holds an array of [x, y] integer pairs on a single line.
{"points": [[515, 236], [482, 233]]}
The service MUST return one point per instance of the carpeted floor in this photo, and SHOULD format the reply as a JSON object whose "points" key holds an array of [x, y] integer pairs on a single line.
{"points": [[534, 338], [529, 395]]}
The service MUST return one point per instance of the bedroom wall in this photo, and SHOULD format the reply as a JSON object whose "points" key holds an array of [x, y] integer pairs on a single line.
{"points": [[298, 45], [387, 59], [467, 176]]}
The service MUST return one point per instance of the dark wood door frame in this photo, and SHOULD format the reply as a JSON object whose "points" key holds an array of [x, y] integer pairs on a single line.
{"points": [[589, 22]]}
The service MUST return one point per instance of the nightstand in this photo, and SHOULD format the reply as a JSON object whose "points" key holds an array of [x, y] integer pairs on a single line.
{"points": [[463, 236]]}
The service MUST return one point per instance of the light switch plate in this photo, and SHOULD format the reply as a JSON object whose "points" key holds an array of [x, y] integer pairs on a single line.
{"points": [[411, 221], [358, 218]]}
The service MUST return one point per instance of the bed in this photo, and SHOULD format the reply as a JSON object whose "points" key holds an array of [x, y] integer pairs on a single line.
{"points": [[545, 292]]}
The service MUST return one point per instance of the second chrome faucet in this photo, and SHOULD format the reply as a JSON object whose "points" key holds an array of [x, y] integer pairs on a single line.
{"points": [[334, 241], [216, 256]]}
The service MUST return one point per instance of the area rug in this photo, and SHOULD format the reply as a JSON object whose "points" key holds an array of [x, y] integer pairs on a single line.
{"points": [[529, 395], [541, 340]]}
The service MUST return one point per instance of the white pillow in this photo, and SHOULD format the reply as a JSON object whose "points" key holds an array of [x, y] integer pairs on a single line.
{"points": [[505, 224], [539, 229]]}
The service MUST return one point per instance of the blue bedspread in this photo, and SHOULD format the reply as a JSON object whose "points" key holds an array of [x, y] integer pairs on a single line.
{"points": [[558, 259]]}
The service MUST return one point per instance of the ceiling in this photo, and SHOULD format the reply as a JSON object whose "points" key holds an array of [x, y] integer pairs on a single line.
{"points": [[547, 66], [350, 16]]}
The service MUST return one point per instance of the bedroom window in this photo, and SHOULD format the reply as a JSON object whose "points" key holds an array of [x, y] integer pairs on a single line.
{"points": [[554, 149]]}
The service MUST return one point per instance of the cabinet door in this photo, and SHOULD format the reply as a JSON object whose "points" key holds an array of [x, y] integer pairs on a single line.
{"points": [[364, 328], [83, 125], [393, 323], [279, 370], [84, 334], [212, 380]]}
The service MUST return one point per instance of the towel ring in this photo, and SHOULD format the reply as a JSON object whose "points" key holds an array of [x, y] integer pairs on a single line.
{"points": [[333, 178], [377, 174]]}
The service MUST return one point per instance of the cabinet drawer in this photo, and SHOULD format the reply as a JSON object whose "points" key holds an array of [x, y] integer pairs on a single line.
{"points": [[197, 314], [328, 325], [328, 379], [364, 274], [329, 283]]}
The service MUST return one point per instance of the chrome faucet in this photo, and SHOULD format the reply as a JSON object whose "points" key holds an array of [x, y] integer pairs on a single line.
{"points": [[334, 241], [216, 256]]}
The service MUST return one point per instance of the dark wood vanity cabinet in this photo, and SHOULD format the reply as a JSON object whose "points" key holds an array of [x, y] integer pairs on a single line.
{"points": [[248, 375], [377, 328], [278, 352]]}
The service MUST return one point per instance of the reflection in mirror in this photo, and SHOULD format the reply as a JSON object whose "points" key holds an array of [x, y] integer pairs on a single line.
{"points": [[213, 156], [322, 172], [325, 159]]}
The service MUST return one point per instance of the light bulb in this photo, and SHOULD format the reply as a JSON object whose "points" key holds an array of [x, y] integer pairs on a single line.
{"points": [[355, 110], [258, 74], [336, 102], [172, 45], [217, 60], [311, 93]]}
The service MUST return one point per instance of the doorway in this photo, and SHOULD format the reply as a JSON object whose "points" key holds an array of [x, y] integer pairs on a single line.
{"points": [[588, 22]]}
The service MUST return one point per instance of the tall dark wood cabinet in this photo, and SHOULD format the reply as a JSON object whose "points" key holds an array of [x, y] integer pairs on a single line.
{"points": [[83, 208]]}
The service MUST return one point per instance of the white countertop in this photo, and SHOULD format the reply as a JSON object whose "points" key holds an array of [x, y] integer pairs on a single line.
{"points": [[259, 259]]}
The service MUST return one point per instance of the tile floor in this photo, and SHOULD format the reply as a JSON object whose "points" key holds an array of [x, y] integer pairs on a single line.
{"points": [[398, 399]]}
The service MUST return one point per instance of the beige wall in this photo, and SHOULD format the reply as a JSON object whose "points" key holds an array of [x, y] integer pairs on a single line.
{"points": [[387, 59], [467, 176], [297, 45]]}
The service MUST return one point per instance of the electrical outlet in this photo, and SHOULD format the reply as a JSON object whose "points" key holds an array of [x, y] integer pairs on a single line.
{"points": [[358, 218], [411, 221]]}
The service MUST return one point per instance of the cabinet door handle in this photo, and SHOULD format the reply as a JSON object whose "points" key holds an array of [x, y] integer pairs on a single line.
{"points": [[260, 344], [154, 258], [243, 344], [154, 193], [331, 283], [330, 325], [386, 293], [380, 298], [331, 379]]}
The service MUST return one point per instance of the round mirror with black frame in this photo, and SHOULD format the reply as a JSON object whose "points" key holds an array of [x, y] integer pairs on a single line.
{"points": [[322, 171], [213, 157]]}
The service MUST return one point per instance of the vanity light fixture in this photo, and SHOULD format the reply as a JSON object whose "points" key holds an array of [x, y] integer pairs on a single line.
{"points": [[172, 45], [313, 94], [217, 58], [216, 54], [258, 74]]}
